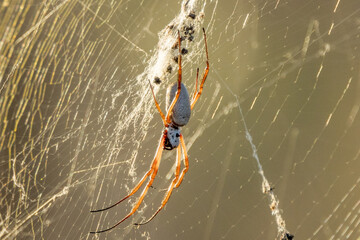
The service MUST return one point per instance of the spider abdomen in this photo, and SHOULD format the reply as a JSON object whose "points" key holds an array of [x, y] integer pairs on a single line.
{"points": [[181, 112]]}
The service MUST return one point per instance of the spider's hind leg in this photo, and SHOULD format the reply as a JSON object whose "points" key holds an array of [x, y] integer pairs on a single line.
{"points": [[170, 189], [153, 171]]}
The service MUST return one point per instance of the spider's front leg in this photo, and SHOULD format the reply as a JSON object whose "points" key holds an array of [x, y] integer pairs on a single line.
{"points": [[198, 93], [171, 107], [167, 119]]}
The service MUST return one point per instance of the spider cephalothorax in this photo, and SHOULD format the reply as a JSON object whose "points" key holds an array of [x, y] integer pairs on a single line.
{"points": [[172, 139], [179, 106]]}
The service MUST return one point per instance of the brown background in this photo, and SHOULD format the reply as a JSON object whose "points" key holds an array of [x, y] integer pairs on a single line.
{"points": [[72, 139]]}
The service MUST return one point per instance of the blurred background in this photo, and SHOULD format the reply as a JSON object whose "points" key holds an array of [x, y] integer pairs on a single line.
{"points": [[78, 126]]}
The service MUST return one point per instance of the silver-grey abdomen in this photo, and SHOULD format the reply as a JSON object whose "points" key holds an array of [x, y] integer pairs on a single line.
{"points": [[182, 110]]}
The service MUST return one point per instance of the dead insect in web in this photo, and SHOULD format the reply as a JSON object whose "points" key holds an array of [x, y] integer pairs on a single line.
{"points": [[184, 29], [179, 105], [157, 80], [201, 15], [192, 15], [190, 29], [287, 236], [184, 51], [169, 69], [273, 206], [270, 190], [176, 59]]}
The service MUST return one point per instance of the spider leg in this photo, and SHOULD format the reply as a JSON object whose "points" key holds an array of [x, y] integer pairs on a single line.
{"points": [[170, 189], [197, 95], [153, 171], [169, 111], [157, 105], [136, 188], [196, 83], [186, 162]]}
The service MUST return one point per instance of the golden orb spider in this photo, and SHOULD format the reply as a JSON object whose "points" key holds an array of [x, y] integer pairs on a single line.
{"points": [[177, 116]]}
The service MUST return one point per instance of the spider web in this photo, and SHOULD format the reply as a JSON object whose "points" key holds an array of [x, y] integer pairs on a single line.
{"points": [[273, 140]]}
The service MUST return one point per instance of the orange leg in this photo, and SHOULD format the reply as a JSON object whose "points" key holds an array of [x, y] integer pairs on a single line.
{"points": [[170, 189], [153, 171], [196, 83], [157, 105], [197, 95], [169, 111], [186, 161]]}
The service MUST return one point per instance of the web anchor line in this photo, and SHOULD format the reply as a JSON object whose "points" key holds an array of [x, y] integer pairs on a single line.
{"points": [[283, 234], [274, 202]]}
